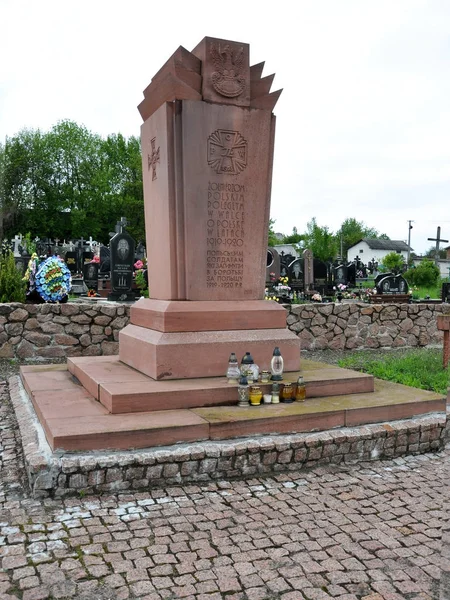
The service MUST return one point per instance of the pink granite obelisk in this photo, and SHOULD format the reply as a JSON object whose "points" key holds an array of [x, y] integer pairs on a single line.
{"points": [[207, 152]]}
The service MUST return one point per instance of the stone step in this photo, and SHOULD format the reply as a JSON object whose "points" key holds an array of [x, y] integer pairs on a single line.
{"points": [[74, 420], [122, 389]]}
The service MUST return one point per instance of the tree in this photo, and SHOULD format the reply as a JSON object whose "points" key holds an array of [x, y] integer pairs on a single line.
{"points": [[294, 238], [393, 262], [273, 240], [321, 241], [431, 252], [69, 182], [352, 231]]}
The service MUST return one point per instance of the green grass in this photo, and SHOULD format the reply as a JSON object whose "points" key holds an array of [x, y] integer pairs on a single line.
{"points": [[416, 368]]}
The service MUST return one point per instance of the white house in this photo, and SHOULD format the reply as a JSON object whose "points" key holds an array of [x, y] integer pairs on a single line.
{"points": [[368, 249]]}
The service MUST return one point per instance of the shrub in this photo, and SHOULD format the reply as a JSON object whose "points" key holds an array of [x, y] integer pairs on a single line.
{"points": [[393, 262], [12, 288], [425, 274]]}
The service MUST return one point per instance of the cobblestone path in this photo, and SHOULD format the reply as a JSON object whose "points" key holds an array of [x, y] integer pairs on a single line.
{"points": [[372, 531]]}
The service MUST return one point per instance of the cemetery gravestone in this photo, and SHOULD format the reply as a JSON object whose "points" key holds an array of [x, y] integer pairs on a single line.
{"points": [[285, 261], [392, 284], [320, 276], [86, 257], [90, 275], [340, 275], [140, 251], [296, 275], [445, 293], [308, 269], [71, 261], [351, 275], [105, 261], [273, 266], [122, 260]]}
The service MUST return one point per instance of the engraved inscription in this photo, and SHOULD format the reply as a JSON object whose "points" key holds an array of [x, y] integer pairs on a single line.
{"points": [[227, 152], [228, 79], [153, 158], [225, 235]]}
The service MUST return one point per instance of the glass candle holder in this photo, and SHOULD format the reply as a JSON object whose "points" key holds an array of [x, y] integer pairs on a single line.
{"points": [[286, 394], [233, 372], [277, 365], [255, 395], [300, 391], [243, 391]]}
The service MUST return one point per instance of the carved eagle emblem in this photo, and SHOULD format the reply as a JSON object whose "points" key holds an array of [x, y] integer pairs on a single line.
{"points": [[228, 78]]}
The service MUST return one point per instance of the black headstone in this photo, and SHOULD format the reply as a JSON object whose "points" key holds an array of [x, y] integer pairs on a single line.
{"points": [[351, 275], [122, 261], [86, 257], [105, 261], [320, 273], [340, 275], [445, 294], [90, 275], [392, 284], [71, 261], [296, 275]]}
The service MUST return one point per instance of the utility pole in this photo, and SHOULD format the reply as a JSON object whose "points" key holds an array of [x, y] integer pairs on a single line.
{"points": [[409, 241]]}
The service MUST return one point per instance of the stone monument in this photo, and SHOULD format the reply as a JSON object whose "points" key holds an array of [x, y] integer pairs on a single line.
{"points": [[207, 151]]}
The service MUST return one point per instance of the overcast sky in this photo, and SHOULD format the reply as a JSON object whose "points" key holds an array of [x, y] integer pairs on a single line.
{"points": [[363, 123]]}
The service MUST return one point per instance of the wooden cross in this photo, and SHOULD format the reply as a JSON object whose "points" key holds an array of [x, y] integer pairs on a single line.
{"points": [[153, 158], [438, 240]]}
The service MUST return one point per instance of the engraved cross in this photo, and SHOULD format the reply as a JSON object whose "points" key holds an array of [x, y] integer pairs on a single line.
{"points": [[153, 158]]}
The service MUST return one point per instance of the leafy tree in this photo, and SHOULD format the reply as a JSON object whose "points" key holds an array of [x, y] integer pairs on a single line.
{"points": [[352, 231], [294, 238], [393, 262], [431, 253], [426, 274], [273, 240], [69, 182], [320, 240]]}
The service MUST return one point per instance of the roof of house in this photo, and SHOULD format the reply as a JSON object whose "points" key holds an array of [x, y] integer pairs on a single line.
{"points": [[395, 245]]}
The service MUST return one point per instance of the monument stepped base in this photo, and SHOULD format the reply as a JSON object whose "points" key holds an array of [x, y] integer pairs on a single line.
{"points": [[73, 405]]}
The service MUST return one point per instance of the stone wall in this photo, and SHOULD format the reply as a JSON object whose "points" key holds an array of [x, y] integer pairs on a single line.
{"points": [[90, 329], [60, 330], [359, 325], [103, 472]]}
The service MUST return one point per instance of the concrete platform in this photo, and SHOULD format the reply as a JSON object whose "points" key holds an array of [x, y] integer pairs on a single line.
{"points": [[122, 389], [74, 419]]}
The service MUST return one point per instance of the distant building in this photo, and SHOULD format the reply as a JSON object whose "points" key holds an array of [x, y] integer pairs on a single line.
{"points": [[368, 249], [448, 252]]}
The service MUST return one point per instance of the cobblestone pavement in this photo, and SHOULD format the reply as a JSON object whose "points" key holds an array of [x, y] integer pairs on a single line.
{"points": [[370, 531]]}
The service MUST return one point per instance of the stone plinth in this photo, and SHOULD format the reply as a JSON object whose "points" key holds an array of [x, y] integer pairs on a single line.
{"points": [[202, 353], [174, 316]]}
